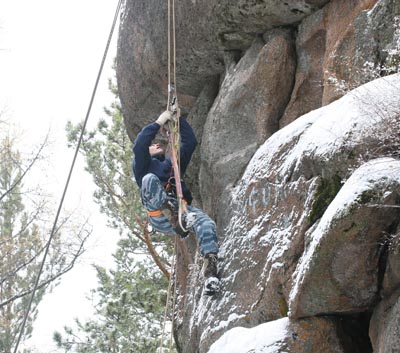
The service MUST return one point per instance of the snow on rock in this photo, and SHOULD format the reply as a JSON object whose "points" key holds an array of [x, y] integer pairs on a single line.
{"points": [[338, 272], [275, 211], [260, 339], [282, 336], [324, 133]]}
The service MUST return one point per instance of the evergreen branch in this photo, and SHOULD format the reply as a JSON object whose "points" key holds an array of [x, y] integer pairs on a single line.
{"points": [[24, 228]]}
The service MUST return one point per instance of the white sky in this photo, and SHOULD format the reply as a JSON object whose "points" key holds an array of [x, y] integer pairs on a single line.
{"points": [[50, 53]]}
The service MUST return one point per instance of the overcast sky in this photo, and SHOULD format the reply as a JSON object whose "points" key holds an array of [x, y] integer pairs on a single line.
{"points": [[50, 53]]}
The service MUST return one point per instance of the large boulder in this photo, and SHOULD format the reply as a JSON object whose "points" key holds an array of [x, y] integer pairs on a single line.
{"points": [[364, 47], [245, 113], [346, 54], [339, 271]]}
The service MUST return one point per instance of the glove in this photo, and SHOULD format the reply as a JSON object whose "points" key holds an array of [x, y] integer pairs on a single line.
{"points": [[182, 233], [164, 117]]}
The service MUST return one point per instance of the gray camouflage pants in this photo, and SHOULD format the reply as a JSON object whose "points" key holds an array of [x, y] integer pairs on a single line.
{"points": [[153, 197]]}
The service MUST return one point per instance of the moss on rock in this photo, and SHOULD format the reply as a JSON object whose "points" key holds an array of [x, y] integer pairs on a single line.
{"points": [[326, 192]]}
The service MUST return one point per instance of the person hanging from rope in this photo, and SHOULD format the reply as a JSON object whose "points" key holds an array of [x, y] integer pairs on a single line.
{"points": [[154, 175]]}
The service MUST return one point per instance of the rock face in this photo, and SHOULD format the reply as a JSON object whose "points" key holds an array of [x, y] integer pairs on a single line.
{"points": [[385, 328], [329, 51], [206, 31], [297, 163], [298, 236], [228, 138]]}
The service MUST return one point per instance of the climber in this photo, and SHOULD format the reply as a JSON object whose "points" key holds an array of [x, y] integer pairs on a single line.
{"points": [[154, 175]]}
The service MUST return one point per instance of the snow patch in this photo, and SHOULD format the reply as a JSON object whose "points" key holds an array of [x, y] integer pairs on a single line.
{"points": [[260, 339], [231, 318]]}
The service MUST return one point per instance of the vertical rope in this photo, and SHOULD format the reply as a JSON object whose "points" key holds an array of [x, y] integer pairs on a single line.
{"points": [[168, 299], [174, 38], [175, 84], [174, 125], [174, 139], [173, 301], [169, 54]]}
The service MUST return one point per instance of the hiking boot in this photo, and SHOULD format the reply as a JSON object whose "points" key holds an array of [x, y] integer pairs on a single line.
{"points": [[211, 286], [210, 273], [171, 211], [210, 266]]}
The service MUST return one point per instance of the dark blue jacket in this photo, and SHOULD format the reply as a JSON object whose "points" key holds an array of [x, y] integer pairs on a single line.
{"points": [[143, 163]]}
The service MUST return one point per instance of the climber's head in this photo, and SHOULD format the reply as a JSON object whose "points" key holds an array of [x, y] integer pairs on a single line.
{"points": [[156, 149]]}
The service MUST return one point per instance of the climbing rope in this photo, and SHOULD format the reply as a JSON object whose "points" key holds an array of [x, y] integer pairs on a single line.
{"points": [[171, 87], [173, 106], [168, 300], [173, 303], [174, 142], [53, 231]]}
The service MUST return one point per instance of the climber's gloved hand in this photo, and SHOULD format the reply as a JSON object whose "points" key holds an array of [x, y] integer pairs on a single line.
{"points": [[182, 233], [164, 117]]}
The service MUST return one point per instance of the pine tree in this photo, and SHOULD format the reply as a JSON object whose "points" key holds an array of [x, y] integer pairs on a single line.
{"points": [[129, 311], [108, 154], [130, 299], [23, 234]]}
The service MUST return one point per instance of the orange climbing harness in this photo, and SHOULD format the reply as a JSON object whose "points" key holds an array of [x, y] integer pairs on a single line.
{"points": [[157, 213]]}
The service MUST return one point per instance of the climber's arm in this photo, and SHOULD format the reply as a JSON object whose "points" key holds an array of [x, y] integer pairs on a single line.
{"points": [[188, 144], [142, 158]]}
